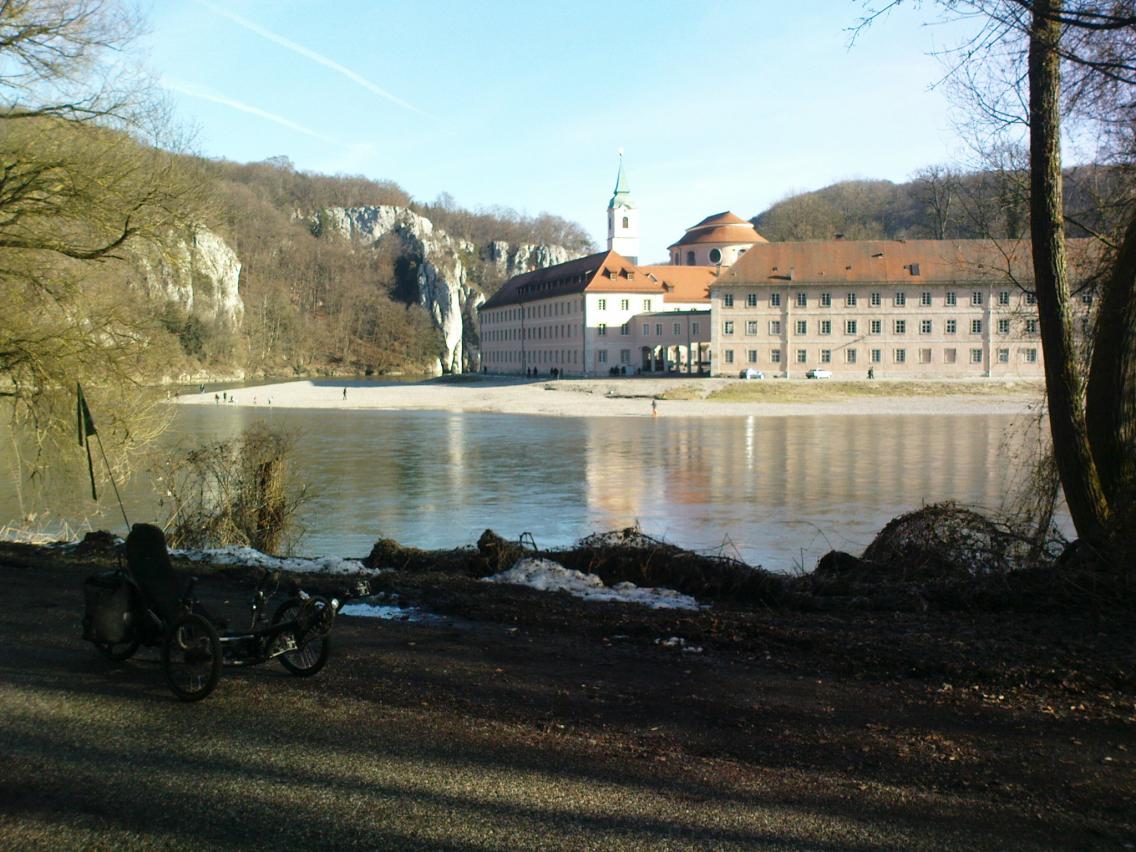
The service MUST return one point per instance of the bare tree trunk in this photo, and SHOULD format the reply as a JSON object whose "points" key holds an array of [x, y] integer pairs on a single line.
{"points": [[1063, 380]]}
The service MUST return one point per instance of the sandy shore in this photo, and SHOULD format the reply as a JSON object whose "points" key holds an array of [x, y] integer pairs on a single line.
{"points": [[600, 398]]}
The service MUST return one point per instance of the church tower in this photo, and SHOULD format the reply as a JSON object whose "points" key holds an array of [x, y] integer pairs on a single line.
{"points": [[623, 219]]}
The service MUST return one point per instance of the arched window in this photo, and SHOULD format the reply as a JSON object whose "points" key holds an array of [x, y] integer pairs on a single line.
{"points": [[690, 258], [626, 223]]}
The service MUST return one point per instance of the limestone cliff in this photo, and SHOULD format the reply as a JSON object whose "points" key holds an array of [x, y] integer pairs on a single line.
{"points": [[200, 272], [446, 281]]}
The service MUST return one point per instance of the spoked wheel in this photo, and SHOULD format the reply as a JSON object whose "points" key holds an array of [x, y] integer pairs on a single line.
{"points": [[118, 652], [191, 656], [315, 643]]}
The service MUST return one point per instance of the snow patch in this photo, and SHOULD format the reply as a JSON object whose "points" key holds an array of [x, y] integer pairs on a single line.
{"points": [[548, 576], [679, 644], [252, 556], [387, 612]]}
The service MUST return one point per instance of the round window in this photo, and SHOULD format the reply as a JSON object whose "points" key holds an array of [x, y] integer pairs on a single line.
{"points": [[715, 256]]}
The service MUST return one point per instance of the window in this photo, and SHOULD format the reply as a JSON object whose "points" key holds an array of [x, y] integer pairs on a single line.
{"points": [[826, 326], [646, 329], [715, 255], [774, 300], [900, 299], [976, 326], [1031, 298], [751, 355], [728, 327], [802, 327], [850, 356], [850, 299], [875, 326], [925, 299], [850, 326], [952, 298], [728, 300], [901, 356], [626, 222], [802, 300], [694, 329], [901, 327], [976, 297], [624, 356], [1031, 326], [826, 300], [690, 258], [775, 356], [677, 328], [952, 326], [601, 329], [658, 329], [729, 354], [950, 356], [1003, 356], [876, 356], [1003, 326], [1003, 300], [625, 329], [751, 300], [775, 326], [924, 356], [802, 356], [751, 327], [875, 300], [601, 304], [625, 304], [826, 356], [601, 356], [924, 326], [1030, 355], [976, 356], [646, 304]]}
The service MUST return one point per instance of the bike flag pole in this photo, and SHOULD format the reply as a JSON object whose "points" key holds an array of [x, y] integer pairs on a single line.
{"points": [[86, 430]]}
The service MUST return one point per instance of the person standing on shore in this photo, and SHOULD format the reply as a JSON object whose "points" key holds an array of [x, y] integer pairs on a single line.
{"points": [[345, 393]]}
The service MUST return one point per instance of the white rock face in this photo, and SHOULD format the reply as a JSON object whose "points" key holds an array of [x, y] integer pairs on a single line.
{"points": [[200, 272], [444, 288]]}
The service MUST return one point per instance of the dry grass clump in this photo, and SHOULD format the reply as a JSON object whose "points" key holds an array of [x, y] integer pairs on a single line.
{"points": [[828, 390]]}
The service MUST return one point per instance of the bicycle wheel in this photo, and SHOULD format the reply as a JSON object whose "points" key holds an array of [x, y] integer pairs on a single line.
{"points": [[191, 656], [314, 648]]}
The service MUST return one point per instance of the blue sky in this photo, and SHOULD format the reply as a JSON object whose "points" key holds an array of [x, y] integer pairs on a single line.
{"points": [[718, 105]]}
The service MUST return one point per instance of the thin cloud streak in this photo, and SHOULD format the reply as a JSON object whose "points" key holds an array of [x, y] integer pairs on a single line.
{"points": [[312, 55], [203, 94]]}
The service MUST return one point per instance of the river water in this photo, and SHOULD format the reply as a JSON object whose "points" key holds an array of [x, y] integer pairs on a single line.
{"points": [[774, 491]]}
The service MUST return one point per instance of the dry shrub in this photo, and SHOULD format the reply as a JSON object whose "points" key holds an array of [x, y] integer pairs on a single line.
{"points": [[235, 492]]}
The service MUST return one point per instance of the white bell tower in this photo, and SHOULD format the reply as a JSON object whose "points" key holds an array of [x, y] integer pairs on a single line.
{"points": [[623, 219]]}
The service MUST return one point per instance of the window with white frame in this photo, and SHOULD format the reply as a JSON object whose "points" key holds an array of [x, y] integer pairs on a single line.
{"points": [[646, 329], [826, 300], [850, 356], [875, 326], [976, 326], [601, 304], [775, 326], [694, 329], [601, 356], [1003, 326], [802, 300], [826, 356], [850, 299], [925, 326], [802, 356], [601, 329], [1031, 326], [900, 327], [1031, 298], [976, 297], [727, 300], [875, 300], [751, 354], [774, 300], [775, 356], [826, 326], [646, 304], [1003, 356], [677, 328], [1030, 355], [728, 327], [850, 327], [876, 356], [802, 327], [658, 329], [924, 356], [1004, 298], [901, 356], [625, 329], [751, 327], [625, 304], [925, 299], [729, 353], [900, 299], [951, 326], [751, 300], [951, 299], [976, 356]]}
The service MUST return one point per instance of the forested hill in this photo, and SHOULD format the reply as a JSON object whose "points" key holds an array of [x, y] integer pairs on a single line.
{"points": [[939, 203], [328, 301]]}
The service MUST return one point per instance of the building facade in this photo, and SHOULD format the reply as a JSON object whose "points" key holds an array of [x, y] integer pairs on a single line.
{"points": [[916, 308], [717, 240]]}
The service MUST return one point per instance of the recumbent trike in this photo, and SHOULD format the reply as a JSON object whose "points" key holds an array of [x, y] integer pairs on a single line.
{"points": [[142, 605]]}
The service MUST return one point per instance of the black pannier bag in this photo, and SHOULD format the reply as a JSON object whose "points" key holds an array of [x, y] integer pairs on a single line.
{"points": [[108, 612]]}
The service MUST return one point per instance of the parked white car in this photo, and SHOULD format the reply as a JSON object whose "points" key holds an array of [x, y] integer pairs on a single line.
{"points": [[818, 374], [751, 373]]}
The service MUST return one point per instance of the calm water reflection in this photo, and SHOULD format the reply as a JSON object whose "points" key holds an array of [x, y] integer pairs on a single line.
{"points": [[776, 491]]}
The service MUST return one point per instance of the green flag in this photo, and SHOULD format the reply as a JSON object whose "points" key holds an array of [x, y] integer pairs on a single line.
{"points": [[86, 429]]}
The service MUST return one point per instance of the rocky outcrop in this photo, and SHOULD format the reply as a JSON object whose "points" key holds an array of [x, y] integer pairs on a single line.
{"points": [[445, 266], [200, 272]]}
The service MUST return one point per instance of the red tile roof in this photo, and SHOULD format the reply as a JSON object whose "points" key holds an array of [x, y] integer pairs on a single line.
{"points": [[604, 272], [723, 228], [683, 283]]}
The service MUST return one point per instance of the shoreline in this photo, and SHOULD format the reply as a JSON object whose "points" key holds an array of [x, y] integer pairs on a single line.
{"points": [[626, 397]]}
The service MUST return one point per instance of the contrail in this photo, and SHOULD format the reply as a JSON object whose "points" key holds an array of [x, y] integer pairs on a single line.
{"points": [[310, 54], [206, 95]]}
